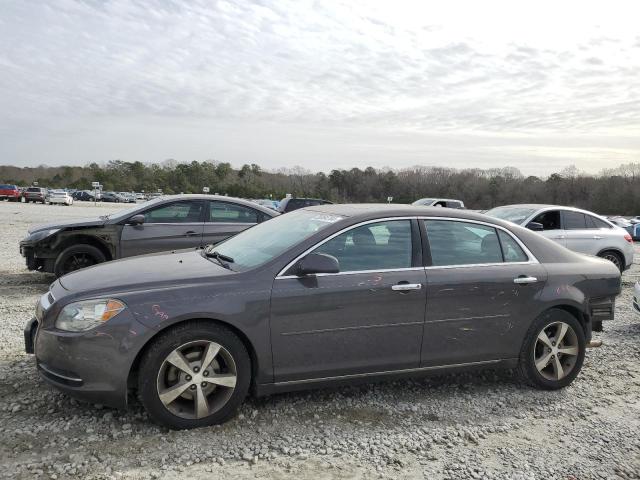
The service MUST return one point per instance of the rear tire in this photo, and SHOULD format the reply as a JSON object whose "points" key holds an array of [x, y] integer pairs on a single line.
{"points": [[77, 257], [613, 257], [206, 392], [553, 350]]}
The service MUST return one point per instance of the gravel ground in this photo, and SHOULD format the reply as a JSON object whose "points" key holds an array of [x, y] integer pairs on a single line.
{"points": [[483, 425]]}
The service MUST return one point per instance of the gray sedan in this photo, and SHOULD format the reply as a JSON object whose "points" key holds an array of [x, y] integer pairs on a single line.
{"points": [[167, 223], [324, 295]]}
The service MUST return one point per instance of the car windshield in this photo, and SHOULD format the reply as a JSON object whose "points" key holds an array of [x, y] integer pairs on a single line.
{"points": [[264, 242], [511, 214]]}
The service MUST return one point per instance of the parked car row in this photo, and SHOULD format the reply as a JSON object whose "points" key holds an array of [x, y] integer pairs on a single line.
{"points": [[325, 295]]}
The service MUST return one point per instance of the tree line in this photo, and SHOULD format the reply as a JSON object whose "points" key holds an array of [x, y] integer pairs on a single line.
{"points": [[612, 191]]}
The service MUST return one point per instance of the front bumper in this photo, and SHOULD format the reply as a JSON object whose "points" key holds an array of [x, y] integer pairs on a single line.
{"points": [[92, 366]]}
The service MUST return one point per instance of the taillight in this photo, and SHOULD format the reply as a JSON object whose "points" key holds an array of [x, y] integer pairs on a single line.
{"points": [[628, 238]]}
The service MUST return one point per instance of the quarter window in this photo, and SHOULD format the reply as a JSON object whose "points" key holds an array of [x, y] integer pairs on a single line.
{"points": [[511, 251], [376, 246], [462, 243], [178, 212], [574, 220], [222, 212], [593, 222]]}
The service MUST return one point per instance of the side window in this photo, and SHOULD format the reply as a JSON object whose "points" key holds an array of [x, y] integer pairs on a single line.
{"points": [[510, 249], [178, 212], [550, 220], [573, 220], [376, 246], [593, 222], [220, 212], [461, 243]]}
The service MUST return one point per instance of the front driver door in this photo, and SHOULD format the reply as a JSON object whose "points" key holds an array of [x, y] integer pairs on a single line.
{"points": [[481, 290], [170, 226], [366, 318], [552, 226]]}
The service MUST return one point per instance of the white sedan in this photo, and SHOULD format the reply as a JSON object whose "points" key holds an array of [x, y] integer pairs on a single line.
{"points": [[59, 196], [575, 229]]}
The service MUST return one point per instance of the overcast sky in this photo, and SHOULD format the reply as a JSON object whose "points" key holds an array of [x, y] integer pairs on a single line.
{"points": [[536, 85]]}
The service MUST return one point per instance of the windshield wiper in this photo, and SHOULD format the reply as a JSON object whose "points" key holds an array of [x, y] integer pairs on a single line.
{"points": [[104, 217], [222, 259]]}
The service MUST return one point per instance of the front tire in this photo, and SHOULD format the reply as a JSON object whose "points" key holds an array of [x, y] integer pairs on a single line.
{"points": [[553, 350], [194, 375], [77, 257]]}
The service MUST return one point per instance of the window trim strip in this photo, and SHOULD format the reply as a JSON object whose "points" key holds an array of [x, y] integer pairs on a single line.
{"points": [[531, 258]]}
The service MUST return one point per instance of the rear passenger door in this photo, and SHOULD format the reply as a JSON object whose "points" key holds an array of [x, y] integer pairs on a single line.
{"points": [[225, 219], [582, 233], [169, 226], [481, 286]]}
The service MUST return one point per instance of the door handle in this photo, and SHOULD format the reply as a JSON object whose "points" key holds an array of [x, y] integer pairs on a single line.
{"points": [[523, 280], [559, 237], [597, 237], [191, 233], [403, 287]]}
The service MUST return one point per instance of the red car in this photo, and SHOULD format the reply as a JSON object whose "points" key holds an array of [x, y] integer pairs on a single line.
{"points": [[10, 192]]}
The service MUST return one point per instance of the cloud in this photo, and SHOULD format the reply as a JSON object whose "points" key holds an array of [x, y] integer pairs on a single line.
{"points": [[386, 69]]}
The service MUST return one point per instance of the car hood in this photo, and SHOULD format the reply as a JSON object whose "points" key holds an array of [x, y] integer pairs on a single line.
{"points": [[144, 272], [81, 222]]}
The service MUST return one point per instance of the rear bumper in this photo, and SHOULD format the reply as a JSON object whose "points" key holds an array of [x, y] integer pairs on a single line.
{"points": [[602, 309]]}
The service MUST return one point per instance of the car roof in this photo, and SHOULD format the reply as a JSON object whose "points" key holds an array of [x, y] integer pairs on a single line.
{"points": [[221, 198], [545, 206], [373, 210]]}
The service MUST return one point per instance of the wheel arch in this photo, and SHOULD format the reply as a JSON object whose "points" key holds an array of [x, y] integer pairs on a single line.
{"points": [[135, 365], [84, 238], [579, 314], [614, 250]]}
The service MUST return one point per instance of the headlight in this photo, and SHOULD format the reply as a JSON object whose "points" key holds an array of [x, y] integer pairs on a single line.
{"points": [[81, 316], [37, 236]]}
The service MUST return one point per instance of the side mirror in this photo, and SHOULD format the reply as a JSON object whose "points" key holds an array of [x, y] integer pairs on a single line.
{"points": [[136, 219], [535, 226], [317, 263]]}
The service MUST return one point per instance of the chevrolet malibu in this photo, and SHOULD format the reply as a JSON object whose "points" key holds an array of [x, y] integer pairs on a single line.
{"points": [[172, 222], [325, 295]]}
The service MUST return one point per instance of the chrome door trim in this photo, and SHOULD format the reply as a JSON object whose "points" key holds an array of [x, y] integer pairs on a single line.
{"points": [[281, 275], [524, 280], [386, 372], [405, 287]]}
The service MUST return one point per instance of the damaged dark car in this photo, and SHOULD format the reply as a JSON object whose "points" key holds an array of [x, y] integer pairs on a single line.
{"points": [[325, 295], [167, 223]]}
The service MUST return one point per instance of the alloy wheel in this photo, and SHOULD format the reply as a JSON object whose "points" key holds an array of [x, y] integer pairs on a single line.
{"points": [[613, 258], [556, 351], [196, 379], [78, 261]]}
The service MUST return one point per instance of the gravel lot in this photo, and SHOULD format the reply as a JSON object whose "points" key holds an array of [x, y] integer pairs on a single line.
{"points": [[457, 426]]}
